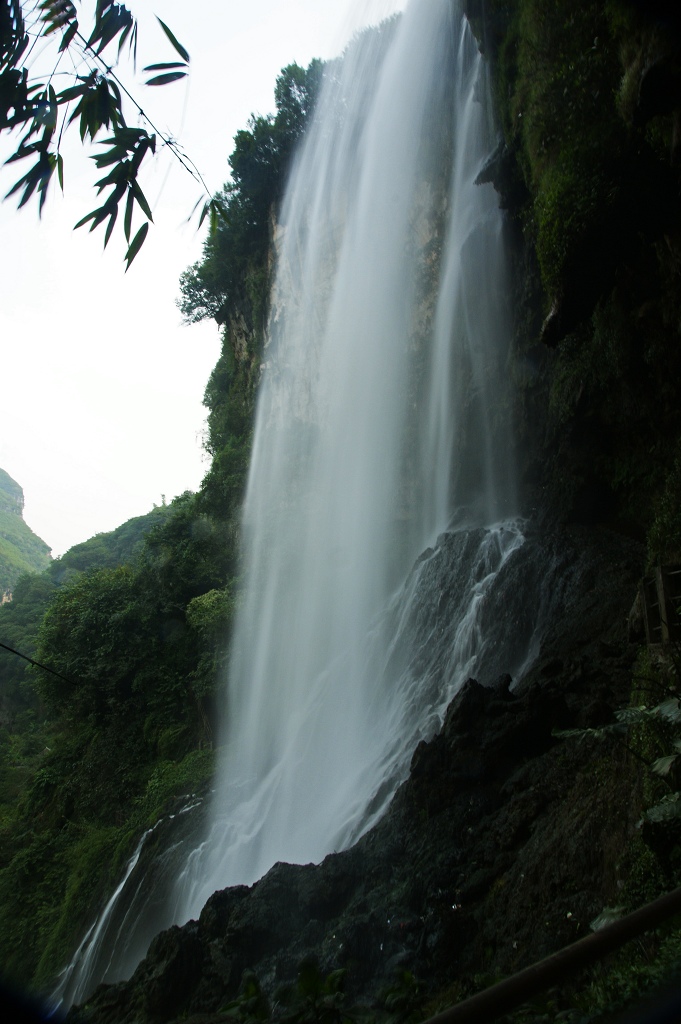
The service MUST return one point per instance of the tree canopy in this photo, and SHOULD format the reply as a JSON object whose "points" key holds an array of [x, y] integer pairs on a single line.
{"points": [[259, 167]]}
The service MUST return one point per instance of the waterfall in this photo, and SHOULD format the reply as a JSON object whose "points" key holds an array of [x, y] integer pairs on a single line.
{"points": [[382, 422], [375, 428]]}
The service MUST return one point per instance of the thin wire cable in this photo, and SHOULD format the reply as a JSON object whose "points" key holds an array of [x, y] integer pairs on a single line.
{"points": [[38, 664]]}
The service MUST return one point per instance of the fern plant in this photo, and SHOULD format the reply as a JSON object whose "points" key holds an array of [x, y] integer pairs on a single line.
{"points": [[662, 721]]}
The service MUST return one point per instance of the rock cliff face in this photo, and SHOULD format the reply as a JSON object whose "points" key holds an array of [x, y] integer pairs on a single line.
{"points": [[588, 169], [11, 495], [20, 549], [502, 845]]}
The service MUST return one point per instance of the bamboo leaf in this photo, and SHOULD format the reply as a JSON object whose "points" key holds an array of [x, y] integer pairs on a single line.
{"points": [[21, 153], [66, 95], [195, 208], [110, 225], [136, 245], [85, 219], [124, 35], [48, 167], [141, 199], [115, 176], [204, 212], [29, 190], [176, 45], [127, 220], [172, 76], [164, 67], [56, 15], [633, 716], [214, 218], [68, 36], [112, 19], [100, 216]]}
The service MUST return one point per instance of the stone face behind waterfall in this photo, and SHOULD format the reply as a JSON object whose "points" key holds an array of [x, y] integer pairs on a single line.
{"points": [[463, 874]]}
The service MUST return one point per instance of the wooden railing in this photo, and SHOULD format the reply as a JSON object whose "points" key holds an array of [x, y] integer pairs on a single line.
{"points": [[506, 995]]}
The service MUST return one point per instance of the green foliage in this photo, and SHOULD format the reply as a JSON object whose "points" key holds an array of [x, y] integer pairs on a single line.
{"points": [[86, 856], [53, 881], [230, 284], [110, 550], [315, 998], [574, 201], [171, 779], [21, 618], [404, 996], [210, 616], [558, 71], [19, 622], [89, 635], [93, 100], [87, 764], [651, 726], [251, 1004], [259, 164]]}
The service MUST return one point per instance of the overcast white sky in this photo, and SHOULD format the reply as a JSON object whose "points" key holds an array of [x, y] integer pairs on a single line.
{"points": [[100, 385]]}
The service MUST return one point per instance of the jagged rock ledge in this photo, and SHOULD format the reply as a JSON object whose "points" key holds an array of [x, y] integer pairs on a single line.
{"points": [[501, 846]]}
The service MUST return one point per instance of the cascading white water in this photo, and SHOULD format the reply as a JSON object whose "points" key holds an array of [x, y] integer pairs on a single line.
{"points": [[382, 420], [373, 396], [76, 977]]}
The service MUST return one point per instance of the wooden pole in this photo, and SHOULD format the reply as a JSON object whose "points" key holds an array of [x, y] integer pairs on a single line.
{"points": [[512, 992]]}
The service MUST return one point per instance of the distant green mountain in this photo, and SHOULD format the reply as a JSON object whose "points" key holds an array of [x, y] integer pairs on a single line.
{"points": [[111, 549], [20, 549]]}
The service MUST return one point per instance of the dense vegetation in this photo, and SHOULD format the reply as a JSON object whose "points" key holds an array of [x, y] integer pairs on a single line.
{"points": [[136, 622]]}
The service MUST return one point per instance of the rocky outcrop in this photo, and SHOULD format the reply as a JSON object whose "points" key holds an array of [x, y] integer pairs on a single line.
{"points": [[11, 495], [21, 550], [502, 845]]}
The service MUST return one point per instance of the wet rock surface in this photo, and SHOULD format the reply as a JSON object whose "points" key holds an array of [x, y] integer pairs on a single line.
{"points": [[501, 846]]}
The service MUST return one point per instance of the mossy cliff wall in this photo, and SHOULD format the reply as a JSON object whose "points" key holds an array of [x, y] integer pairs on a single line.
{"points": [[589, 101]]}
